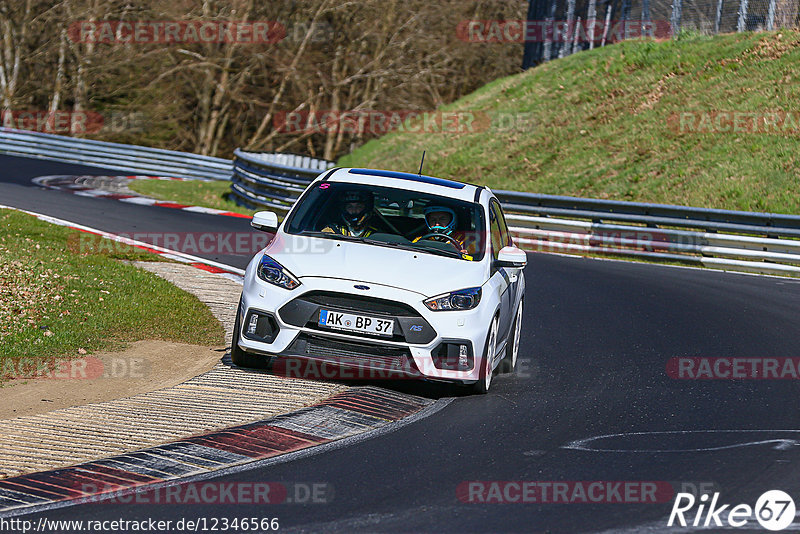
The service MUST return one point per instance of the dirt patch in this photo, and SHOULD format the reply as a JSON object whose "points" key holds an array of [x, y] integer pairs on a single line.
{"points": [[652, 98], [144, 366], [774, 46]]}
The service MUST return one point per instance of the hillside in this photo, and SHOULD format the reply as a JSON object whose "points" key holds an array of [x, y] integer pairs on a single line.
{"points": [[640, 120]]}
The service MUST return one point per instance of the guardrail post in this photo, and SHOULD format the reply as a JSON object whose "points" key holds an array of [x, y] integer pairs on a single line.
{"points": [[677, 13], [771, 16], [570, 22], [740, 25]]}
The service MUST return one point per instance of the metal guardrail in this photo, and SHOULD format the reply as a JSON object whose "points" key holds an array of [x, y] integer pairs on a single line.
{"points": [[116, 156], [272, 181], [764, 243], [732, 240]]}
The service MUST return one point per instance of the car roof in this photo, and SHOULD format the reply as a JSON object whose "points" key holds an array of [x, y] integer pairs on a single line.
{"points": [[408, 181]]}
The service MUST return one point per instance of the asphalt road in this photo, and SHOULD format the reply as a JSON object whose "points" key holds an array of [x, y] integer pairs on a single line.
{"points": [[145, 223], [595, 346]]}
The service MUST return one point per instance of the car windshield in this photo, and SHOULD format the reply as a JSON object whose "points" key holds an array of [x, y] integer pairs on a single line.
{"points": [[391, 217]]}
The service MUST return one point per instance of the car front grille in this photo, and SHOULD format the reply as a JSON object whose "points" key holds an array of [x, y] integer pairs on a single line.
{"points": [[409, 326], [352, 354]]}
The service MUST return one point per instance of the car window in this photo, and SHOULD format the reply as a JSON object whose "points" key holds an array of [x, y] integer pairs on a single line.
{"points": [[393, 216], [505, 236], [496, 233]]}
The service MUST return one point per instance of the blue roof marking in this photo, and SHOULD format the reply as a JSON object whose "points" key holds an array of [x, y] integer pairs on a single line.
{"points": [[408, 176]]}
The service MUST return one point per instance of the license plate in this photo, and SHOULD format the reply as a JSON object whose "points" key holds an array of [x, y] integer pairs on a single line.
{"points": [[356, 323]]}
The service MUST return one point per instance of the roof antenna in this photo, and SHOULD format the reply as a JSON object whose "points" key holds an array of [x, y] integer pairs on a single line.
{"points": [[421, 162]]}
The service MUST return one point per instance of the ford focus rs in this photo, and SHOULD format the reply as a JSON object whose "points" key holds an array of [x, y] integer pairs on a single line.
{"points": [[389, 273]]}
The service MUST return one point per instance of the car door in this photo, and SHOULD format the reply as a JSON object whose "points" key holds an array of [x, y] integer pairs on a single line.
{"points": [[501, 277]]}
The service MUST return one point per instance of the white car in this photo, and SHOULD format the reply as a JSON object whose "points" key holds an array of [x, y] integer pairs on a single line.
{"points": [[386, 275]]}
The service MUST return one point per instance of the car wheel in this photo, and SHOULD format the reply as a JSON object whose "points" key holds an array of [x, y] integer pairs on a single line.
{"points": [[239, 357], [509, 362], [485, 381]]}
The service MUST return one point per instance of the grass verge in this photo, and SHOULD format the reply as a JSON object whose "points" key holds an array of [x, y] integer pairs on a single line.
{"points": [[212, 194], [60, 301]]}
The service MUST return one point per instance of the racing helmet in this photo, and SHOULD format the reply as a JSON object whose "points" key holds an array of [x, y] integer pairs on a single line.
{"points": [[438, 227], [354, 216]]}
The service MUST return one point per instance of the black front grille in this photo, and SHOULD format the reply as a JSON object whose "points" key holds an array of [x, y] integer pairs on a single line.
{"points": [[347, 353], [356, 303], [409, 326]]}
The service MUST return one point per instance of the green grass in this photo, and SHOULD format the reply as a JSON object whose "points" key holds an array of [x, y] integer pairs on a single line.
{"points": [[604, 124], [60, 297], [212, 194]]}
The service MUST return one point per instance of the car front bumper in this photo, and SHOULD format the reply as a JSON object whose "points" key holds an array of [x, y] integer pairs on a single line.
{"points": [[426, 345]]}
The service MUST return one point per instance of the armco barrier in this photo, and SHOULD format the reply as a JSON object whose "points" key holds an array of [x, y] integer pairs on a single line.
{"points": [[272, 181], [129, 158], [732, 240]]}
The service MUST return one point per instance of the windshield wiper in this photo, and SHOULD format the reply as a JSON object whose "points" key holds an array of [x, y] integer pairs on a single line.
{"points": [[385, 243], [440, 252], [331, 235]]}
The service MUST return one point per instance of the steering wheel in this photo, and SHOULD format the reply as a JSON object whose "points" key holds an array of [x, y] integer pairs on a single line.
{"points": [[449, 239]]}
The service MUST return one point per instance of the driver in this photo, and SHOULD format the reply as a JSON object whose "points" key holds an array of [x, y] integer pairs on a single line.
{"points": [[357, 210], [441, 224]]}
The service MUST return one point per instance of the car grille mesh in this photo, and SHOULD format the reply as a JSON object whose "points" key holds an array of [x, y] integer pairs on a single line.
{"points": [[354, 354]]}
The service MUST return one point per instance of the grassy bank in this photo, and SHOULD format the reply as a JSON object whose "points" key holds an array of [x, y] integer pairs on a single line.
{"points": [[632, 121], [606, 123], [62, 297]]}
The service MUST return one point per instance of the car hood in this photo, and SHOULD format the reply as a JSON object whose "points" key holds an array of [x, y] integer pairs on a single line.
{"points": [[423, 273]]}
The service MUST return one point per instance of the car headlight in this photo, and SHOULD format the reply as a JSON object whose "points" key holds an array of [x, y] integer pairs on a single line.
{"points": [[273, 272], [464, 299]]}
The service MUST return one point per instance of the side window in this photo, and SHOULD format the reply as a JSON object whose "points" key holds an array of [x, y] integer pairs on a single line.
{"points": [[494, 228], [500, 237], [504, 233]]}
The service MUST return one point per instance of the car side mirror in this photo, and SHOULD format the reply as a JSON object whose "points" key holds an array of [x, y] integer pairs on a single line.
{"points": [[266, 221], [512, 257]]}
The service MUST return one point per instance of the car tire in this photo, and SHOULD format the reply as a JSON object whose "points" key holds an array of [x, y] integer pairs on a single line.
{"points": [[239, 357], [481, 387], [509, 362]]}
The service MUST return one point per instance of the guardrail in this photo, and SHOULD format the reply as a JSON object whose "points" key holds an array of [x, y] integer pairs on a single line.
{"points": [[733, 240], [272, 181], [116, 156], [764, 243]]}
